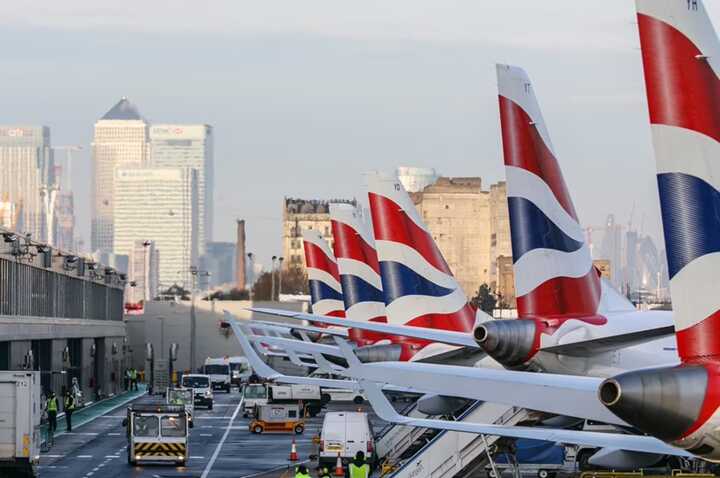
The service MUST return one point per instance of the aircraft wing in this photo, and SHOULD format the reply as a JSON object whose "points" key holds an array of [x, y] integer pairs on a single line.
{"points": [[442, 336], [300, 346], [588, 348], [334, 331], [639, 443], [553, 393]]}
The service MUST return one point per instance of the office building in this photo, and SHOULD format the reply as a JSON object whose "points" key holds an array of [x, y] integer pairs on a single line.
{"points": [[143, 272], [188, 146], [158, 204], [27, 177], [120, 141], [220, 261]]}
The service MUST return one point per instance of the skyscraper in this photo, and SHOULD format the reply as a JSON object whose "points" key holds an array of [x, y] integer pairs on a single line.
{"points": [[158, 204], [27, 176], [188, 146], [120, 141]]}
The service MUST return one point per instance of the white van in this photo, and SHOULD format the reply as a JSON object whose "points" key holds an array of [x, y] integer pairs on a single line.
{"points": [[346, 433], [200, 385], [240, 370], [219, 371]]}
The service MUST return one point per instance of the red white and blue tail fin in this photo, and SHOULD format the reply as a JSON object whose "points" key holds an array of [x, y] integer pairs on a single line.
{"points": [[418, 286], [681, 58], [554, 274], [325, 291], [359, 270]]}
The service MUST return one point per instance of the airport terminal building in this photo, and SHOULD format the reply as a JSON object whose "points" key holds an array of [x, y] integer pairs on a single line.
{"points": [[62, 315]]}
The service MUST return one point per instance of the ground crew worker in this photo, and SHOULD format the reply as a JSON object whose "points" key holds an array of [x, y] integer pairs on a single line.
{"points": [[69, 409], [302, 472], [52, 410], [358, 467], [324, 472], [133, 379]]}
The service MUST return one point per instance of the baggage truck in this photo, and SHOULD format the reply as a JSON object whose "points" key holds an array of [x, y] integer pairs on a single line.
{"points": [[20, 412], [261, 394]]}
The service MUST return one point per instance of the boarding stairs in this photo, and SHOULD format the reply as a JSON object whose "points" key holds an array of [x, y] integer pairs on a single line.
{"points": [[418, 452]]}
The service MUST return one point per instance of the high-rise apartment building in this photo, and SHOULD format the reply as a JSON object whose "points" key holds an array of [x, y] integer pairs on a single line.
{"points": [[120, 141], [158, 204], [27, 176], [188, 146], [143, 272]]}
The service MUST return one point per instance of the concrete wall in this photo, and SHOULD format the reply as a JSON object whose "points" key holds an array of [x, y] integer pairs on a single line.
{"points": [[166, 322]]}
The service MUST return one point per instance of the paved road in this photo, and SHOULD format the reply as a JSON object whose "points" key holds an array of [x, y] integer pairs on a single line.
{"points": [[219, 447]]}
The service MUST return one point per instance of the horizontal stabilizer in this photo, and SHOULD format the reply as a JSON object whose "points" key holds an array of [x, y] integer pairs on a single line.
{"points": [[460, 339], [646, 444]]}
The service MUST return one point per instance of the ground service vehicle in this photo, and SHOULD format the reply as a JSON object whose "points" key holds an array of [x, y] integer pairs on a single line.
{"points": [[157, 433], [346, 433], [338, 394], [20, 424], [182, 396], [200, 385], [278, 418], [218, 369], [240, 370], [262, 393]]}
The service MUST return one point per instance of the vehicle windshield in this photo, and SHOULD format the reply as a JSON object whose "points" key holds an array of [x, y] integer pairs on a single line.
{"points": [[255, 391], [217, 369], [196, 382], [180, 397], [145, 426], [238, 367], [173, 426]]}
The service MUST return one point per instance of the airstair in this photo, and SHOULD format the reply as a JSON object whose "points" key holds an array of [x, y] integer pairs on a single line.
{"points": [[444, 453]]}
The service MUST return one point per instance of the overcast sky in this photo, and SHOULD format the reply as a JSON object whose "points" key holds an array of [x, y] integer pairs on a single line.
{"points": [[306, 95]]}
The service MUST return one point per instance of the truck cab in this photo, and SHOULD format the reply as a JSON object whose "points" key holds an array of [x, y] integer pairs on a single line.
{"points": [[218, 369], [240, 370], [184, 397], [202, 391], [254, 394], [157, 433]]}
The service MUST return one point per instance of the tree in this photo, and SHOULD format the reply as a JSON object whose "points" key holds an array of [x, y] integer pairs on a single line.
{"points": [[294, 281], [233, 294], [485, 300]]}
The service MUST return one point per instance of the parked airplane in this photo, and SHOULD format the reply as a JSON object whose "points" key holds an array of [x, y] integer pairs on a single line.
{"points": [[681, 59], [326, 296]]}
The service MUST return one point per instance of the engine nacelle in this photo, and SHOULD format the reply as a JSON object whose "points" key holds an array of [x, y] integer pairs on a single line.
{"points": [[435, 405], [510, 342], [379, 353], [675, 404]]}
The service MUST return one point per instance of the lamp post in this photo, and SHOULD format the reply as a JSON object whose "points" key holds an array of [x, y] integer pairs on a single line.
{"points": [[251, 275], [272, 275], [280, 266]]}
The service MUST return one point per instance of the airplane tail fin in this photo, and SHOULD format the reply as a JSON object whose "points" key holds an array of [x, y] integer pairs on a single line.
{"points": [[359, 270], [681, 59], [325, 292], [554, 274], [418, 286]]}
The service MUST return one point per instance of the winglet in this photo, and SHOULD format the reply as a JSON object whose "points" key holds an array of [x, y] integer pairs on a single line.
{"points": [[257, 364], [380, 404], [347, 352]]}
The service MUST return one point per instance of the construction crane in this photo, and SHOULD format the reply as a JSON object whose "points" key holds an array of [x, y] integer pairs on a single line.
{"points": [[67, 170]]}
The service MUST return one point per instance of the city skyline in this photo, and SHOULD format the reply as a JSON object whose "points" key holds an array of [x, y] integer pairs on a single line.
{"points": [[408, 95]]}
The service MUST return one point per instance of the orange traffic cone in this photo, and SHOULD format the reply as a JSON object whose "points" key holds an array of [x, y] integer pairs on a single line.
{"points": [[293, 452], [339, 467]]}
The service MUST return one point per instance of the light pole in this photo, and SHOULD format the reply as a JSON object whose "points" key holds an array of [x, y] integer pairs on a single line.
{"points": [[280, 266], [272, 275], [162, 336], [194, 272], [251, 275]]}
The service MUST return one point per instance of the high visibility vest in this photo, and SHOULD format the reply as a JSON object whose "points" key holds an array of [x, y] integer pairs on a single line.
{"points": [[52, 404], [69, 403], [133, 374], [302, 475], [359, 471]]}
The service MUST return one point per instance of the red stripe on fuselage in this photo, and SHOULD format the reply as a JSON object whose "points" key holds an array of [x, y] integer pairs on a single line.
{"points": [[700, 340], [682, 89], [391, 223], [711, 402], [563, 296], [523, 147], [349, 244], [316, 258]]}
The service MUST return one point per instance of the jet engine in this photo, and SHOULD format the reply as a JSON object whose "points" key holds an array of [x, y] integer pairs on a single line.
{"points": [[510, 342]]}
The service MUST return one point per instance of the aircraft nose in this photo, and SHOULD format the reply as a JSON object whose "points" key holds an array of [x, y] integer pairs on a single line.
{"points": [[510, 342]]}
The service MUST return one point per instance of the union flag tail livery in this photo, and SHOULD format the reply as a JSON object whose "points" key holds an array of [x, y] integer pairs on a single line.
{"points": [[418, 286], [325, 291], [681, 57], [554, 274], [359, 270]]}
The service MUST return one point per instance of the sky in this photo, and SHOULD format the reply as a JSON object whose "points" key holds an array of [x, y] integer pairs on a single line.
{"points": [[305, 96]]}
